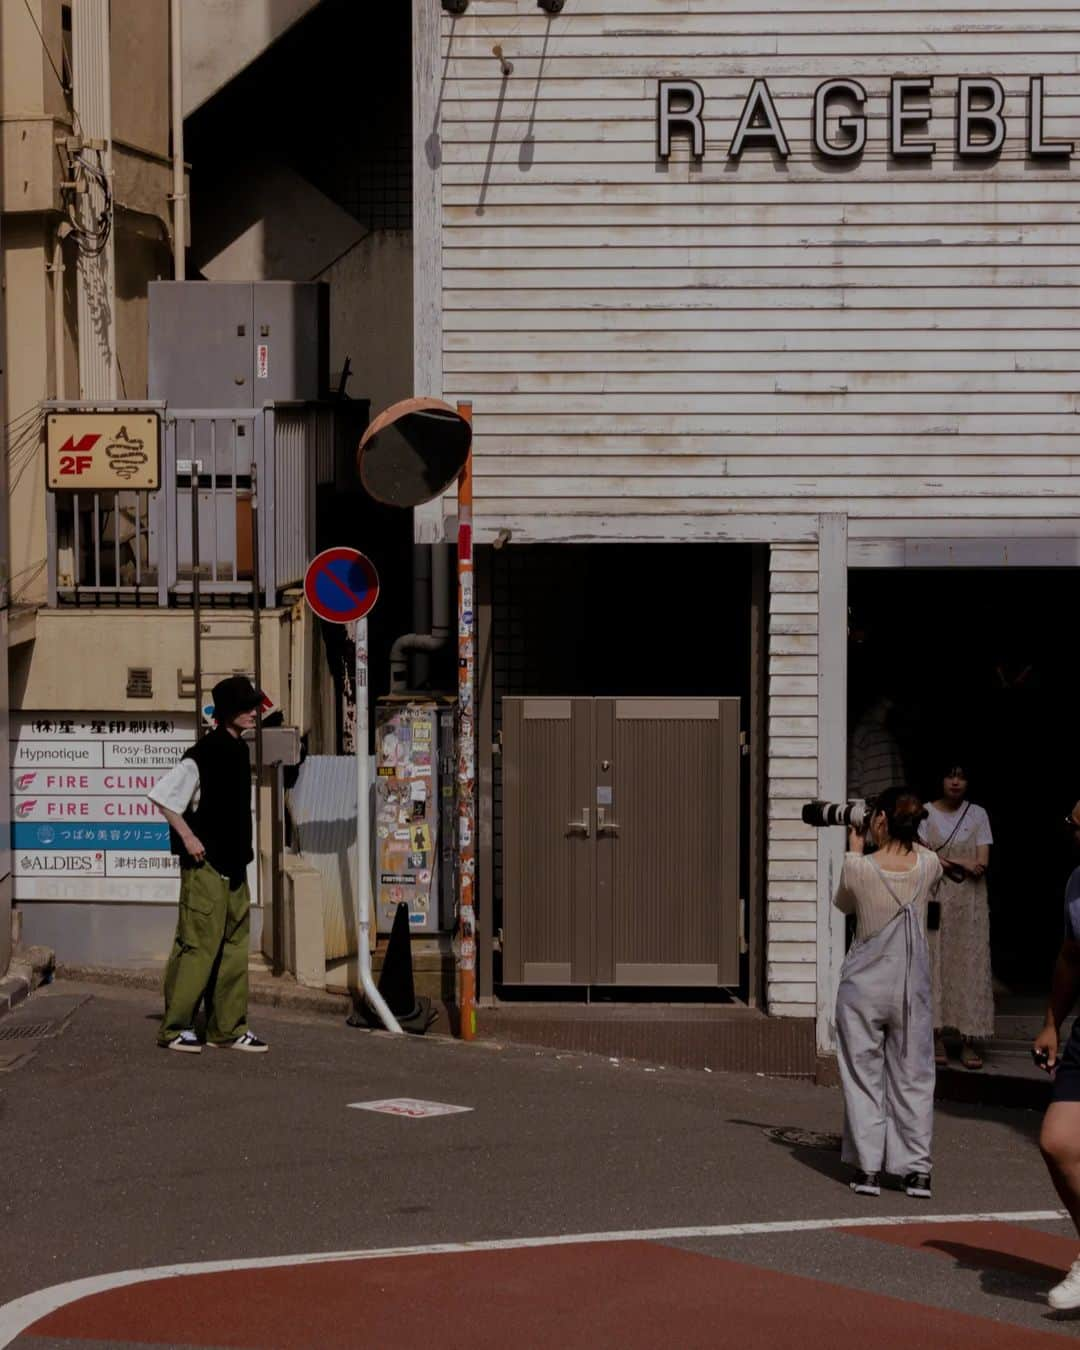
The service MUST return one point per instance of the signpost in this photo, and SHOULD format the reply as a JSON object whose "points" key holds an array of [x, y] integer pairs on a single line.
{"points": [[466, 749], [103, 452], [341, 586]]}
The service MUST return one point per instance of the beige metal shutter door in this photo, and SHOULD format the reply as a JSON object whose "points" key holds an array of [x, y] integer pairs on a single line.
{"points": [[548, 865], [668, 842]]}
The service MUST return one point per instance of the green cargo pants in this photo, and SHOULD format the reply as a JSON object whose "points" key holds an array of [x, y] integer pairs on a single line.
{"points": [[209, 957]]}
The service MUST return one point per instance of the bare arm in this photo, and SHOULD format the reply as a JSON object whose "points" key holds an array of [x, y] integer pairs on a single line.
{"points": [[1064, 991], [191, 843]]}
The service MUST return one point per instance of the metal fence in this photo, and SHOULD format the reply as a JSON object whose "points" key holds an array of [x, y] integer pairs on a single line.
{"points": [[128, 548]]}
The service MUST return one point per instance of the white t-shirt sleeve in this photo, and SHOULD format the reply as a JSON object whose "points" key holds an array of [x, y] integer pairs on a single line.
{"points": [[178, 789], [982, 834]]}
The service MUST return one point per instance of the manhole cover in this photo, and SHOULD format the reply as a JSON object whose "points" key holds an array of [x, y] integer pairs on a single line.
{"points": [[796, 1138], [25, 1031]]}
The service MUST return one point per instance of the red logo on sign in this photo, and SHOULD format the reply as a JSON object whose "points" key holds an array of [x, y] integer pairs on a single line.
{"points": [[74, 456]]}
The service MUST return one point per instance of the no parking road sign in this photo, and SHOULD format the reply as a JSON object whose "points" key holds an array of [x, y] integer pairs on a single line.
{"points": [[341, 585]]}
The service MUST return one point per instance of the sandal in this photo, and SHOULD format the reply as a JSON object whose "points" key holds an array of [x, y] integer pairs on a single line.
{"points": [[941, 1054], [970, 1057]]}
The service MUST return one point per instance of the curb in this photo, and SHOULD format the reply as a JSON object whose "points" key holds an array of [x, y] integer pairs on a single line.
{"points": [[265, 991], [14, 989]]}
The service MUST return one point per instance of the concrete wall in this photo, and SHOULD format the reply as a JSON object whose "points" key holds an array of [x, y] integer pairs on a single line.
{"points": [[107, 644], [222, 37]]}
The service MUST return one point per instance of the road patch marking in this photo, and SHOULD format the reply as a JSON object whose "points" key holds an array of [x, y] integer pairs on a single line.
{"points": [[20, 1314], [410, 1107]]}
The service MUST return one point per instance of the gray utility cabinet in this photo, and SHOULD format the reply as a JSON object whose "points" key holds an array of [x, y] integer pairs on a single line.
{"points": [[621, 841], [238, 344]]}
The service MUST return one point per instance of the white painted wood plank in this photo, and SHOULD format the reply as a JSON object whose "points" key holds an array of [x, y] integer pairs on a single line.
{"points": [[783, 931], [793, 911], [792, 850], [793, 707], [793, 644], [786, 808], [792, 1010], [790, 583], [792, 623], [784, 977], [793, 787], [800, 767], [791, 726], [792, 747], [783, 951]]}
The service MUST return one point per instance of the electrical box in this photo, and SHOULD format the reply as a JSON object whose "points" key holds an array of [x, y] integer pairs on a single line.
{"points": [[415, 812], [238, 344]]}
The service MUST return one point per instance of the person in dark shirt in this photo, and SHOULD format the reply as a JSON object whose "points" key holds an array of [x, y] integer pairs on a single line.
{"points": [[206, 799], [1060, 1137]]}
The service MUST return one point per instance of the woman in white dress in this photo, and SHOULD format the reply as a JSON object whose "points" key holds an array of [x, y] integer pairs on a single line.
{"points": [[958, 831]]}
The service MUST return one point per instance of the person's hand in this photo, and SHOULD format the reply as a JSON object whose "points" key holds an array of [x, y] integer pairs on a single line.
{"points": [[195, 849], [977, 870], [856, 841], [1045, 1047]]}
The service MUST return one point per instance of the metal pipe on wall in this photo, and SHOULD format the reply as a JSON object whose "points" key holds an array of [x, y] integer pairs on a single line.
{"points": [[179, 196], [57, 270]]}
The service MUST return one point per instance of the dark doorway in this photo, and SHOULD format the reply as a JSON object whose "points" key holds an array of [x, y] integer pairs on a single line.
{"points": [[980, 665], [621, 621]]}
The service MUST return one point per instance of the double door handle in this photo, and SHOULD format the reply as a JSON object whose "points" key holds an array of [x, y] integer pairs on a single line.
{"points": [[582, 826]]}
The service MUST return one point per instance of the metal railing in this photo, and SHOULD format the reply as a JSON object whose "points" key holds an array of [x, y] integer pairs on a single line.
{"points": [[128, 548]]}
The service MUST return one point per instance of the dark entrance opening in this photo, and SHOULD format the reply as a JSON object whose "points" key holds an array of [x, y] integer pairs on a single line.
{"points": [[980, 665], [620, 621]]}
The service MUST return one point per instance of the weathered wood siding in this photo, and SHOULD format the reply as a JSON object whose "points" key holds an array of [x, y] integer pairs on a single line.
{"points": [[791, 888], [898, 341]]}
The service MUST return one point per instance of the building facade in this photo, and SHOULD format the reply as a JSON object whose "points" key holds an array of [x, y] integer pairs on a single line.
{"points": [[800, 280]]}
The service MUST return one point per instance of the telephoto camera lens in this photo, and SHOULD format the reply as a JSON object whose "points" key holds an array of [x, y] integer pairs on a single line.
{"points": [[819, 814]]}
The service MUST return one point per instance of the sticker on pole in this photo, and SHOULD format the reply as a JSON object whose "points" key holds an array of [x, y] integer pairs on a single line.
{"points": [[341, 585], [410, 1107]]}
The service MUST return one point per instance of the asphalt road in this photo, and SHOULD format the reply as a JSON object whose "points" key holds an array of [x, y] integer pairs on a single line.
{"points": [[120, 1156]]}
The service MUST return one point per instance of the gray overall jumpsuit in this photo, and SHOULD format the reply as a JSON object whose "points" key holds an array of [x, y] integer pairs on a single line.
{"points": [[885, 1036]]}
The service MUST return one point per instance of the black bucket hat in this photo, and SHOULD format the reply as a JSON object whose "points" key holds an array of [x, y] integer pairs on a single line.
{"points": [[234, 695]]}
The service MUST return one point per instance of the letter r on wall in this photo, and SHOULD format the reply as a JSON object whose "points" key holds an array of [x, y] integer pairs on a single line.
{"points": [[686, 117]]}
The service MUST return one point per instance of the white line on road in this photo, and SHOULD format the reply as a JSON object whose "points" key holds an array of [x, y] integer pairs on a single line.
{"points": [[21, 1314]]}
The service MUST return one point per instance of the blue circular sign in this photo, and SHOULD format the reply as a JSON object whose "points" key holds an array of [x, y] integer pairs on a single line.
{"points": [[341, 585]]}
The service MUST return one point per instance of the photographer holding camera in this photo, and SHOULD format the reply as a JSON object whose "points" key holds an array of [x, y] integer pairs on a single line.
{"points": [[1060, 1137], [884, 1018]]}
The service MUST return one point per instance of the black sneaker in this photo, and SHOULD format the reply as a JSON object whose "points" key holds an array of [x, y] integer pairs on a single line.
{"points": [[247, 1041], [917, 1184], [866, 1183]]}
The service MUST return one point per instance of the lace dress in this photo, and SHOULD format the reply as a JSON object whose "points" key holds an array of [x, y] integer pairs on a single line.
{"points": [[960, 949]]}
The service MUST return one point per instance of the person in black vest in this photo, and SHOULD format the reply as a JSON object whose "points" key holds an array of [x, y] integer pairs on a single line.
{"points": [[206, 799]]}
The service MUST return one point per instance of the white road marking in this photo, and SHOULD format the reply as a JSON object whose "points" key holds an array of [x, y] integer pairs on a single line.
{"points": [[21, 1314], [412, 1108]]}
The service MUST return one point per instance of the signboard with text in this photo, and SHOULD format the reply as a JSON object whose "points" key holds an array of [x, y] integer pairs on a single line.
{"points": [[103, 452], [83, 827]]}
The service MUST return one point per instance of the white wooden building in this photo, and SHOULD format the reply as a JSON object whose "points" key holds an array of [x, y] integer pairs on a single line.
{"points": [[858, 357]]}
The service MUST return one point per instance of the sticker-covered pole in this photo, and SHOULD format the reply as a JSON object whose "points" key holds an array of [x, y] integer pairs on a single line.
{"points": [[363, 833], [466, 784]]}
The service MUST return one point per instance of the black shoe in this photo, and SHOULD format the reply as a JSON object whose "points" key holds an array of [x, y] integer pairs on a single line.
{"points": [[866, 1183], [917, 1184]]}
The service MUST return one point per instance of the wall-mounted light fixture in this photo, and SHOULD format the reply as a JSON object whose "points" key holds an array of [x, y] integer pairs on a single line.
{"points": [[551, 6], [455, 6]]}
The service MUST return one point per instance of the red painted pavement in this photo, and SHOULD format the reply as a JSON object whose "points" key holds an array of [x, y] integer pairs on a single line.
{"points": [[984, 1246], [630, 1295]]}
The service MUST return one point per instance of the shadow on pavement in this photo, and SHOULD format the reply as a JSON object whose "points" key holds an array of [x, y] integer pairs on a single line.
{"points": [[1001, 1273]]}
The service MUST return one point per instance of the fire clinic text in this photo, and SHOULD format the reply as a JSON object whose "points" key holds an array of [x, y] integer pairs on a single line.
{"points": [[839, 129], [91, 809], [112, 782]]}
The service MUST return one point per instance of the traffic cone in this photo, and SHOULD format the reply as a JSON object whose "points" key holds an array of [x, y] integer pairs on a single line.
{"points": [[396, 984]]}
